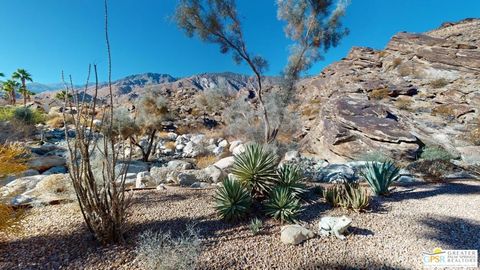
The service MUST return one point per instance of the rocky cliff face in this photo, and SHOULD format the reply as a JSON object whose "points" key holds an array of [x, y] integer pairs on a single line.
{"points": [[422, 89]]}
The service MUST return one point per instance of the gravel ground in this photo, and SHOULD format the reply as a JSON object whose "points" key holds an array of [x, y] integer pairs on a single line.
{"points": [[392, 235]]}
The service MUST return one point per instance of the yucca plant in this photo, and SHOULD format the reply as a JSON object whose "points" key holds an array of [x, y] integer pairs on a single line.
{"points": [[380, 175], [233, 201], [282, 205], [357, 197], [255, 169], [290, 177]]}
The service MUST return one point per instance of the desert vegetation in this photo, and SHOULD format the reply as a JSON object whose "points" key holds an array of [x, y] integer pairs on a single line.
{"points": [[229, 171]]}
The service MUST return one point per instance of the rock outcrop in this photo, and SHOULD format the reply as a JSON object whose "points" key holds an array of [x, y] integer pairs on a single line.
{"points": [[422, 89]]}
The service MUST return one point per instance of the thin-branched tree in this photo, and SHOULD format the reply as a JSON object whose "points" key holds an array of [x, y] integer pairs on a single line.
{"points": [[101, 194], [23, 76], [313, 25]]}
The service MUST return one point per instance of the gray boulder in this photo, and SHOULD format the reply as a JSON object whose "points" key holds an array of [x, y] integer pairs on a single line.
{"points": [[214, 173], [179, 165]]}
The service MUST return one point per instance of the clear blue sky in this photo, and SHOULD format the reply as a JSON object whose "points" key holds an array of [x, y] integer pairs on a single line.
{"points": [[46, 37]]}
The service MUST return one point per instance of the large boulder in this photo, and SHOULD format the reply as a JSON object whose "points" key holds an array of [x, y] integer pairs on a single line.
{"points": [[295, 234], [44, 163], [187, 178], [164, 175], [225, 163], [179, 165], [53, 188], [215, 174]]}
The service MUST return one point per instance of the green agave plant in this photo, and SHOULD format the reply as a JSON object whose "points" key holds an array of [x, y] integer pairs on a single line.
{"points": [[233, 201], [357, 197], [333, 195], [282, 205], [255, 169], [380, 175], [290, 177]]}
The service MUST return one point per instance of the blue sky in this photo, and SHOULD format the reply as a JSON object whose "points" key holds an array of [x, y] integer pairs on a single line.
{"points": [[46, 37]]}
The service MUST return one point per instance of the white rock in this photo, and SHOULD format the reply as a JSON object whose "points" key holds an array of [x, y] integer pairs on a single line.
{"points": [[292, 156], [225, 163], [295, 234], [172, 136], [218, 150], [144, 180], [239, 149], [215, 173], [179, 147], [161, 187], [223, 143], [233, 145], [197, 139], [179, 165], [46, 162], [199, 185]]}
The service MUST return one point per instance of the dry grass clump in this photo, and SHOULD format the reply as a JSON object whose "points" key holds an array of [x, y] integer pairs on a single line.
{"points": [[379, 94], [404, 103], [404, 70], [12, 159], [438, 83], [183, 130], [309, 111], [170, 145], [205, 161], [162, 250], [445, 110], [10, 219], [396, 62], [57, 121]]}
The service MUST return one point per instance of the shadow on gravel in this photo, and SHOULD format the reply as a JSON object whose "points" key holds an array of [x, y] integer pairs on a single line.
{"points": [[453, 233], [348, 266], [434, 190]]}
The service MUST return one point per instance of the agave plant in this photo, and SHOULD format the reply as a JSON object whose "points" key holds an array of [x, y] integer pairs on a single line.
{"points": [[282, 205], [290, 177], [256, 226], [255, 169], [380, 175], [233, 201], [333, 195], [357, 197]]}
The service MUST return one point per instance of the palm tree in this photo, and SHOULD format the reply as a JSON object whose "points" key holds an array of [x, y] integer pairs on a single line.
{"points": [[23, 76], [10, 87], [64, 96]]}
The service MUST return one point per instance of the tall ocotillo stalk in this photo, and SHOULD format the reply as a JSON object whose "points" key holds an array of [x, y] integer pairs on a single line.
{"points": [[103, 198]]}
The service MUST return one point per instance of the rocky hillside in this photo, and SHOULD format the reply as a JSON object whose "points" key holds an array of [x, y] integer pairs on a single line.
{"points": [[422, 89]]}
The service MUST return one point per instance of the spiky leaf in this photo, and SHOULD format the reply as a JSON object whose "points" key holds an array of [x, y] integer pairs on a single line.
{"points": [[233, 201]]}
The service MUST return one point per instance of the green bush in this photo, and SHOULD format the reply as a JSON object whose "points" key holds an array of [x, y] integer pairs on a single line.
{"points": [[256, 226], [332, 195], [255, 168], [282, 205], [233, 201], [290, 177], [380, 175], [435, 153], [22, 114]]}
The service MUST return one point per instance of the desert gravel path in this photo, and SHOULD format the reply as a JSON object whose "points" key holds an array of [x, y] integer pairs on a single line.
{"points": [[392, 236]]}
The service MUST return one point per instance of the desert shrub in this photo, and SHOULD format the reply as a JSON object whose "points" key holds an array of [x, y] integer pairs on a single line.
{"points": [[379, 94], [309, 111], [445, 110], [256, 226], [403, 103], [10, 218], [232, 200], [13, 158], [6, 113], [57, 121], [438, 83], [205, 161], [282, 205], [435, 152], [28, 116], [404, 70], [169, 145], [255, 169], [396, 62], [432, 170], [380, 175], [290, 177], [162, 251]]}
